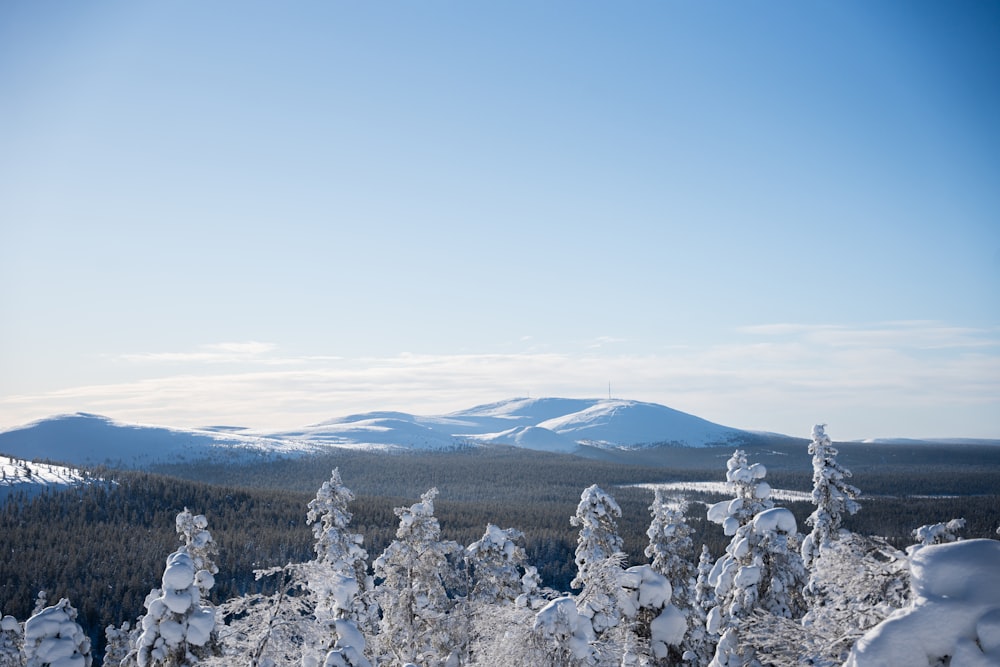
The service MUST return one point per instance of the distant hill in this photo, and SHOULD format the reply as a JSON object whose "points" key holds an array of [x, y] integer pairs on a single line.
{"points": [[612, 429]]}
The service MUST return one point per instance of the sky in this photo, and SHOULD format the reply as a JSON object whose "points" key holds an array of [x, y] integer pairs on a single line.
{"points": [[769, 214]]}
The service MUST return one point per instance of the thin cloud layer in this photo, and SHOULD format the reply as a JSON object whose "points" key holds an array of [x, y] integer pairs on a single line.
{"points": [[865, 382]]}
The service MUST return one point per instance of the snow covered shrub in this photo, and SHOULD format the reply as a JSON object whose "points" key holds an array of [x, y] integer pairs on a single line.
{"points": [[937, 533], [178, 628], [953, 616], [52, 638], [832, 495], [11, 640], [420, 623]]}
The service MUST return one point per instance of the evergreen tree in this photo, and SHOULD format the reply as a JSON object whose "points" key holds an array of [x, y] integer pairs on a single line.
{"points": [[495, 562], [53, 638], [831, 494], [761, 566], [598, 538], [179, 625], [419, 622], [338, 576]]}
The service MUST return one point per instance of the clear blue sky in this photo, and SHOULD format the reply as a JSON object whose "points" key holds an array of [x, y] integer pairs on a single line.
{"points": [[769, 214]]}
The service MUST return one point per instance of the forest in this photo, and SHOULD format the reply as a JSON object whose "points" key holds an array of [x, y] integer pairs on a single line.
{"points": [[569, 523]]}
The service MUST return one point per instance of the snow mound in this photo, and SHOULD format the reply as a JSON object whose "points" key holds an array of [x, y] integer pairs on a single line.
{"points": [[954, 613]]}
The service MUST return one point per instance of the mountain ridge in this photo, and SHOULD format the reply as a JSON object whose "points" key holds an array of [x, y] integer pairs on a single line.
{"points": [[559, 425]]}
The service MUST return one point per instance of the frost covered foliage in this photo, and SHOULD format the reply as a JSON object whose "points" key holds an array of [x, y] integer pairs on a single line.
{"points": [[179, 627], [855, 583], [832, 495], [271, 629], [338, 577], [11, 640], [937, 533], [53, 638], [953, 616], [761, 567], [420, 623]]}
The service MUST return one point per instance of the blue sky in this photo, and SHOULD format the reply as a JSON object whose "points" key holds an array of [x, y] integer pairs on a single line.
{"points": [[769, 214]]}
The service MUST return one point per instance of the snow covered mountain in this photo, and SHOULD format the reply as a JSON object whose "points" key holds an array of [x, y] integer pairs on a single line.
{"points": [[549, 424]]}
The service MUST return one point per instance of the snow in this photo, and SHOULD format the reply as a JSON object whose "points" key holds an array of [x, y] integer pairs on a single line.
{"points": [[777, 519], [721, 488], [954, 613], [667, 629], [87, 439], [32, 477], [548, 424], [53, 637]]}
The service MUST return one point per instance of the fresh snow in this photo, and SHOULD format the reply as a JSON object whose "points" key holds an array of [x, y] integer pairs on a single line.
{"points": [[953, 616]]}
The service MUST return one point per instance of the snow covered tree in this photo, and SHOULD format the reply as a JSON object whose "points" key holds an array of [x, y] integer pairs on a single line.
{"points": [[119, 643], [598, 539], [671, 549], [179, 625], [670, 546], [11, 640], [198, 543], [495, 562], [599, 558], [419, 621], [832, 495], [338, 577], [936, 533], [53, 638], [761, 566]]}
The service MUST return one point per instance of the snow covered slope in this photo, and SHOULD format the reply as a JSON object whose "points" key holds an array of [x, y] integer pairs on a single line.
{"points": [[86, 439], [549, 424], [30, 477]]}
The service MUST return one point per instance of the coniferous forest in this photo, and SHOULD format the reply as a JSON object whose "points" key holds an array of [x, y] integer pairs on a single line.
{"points": [[483, 556]]}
